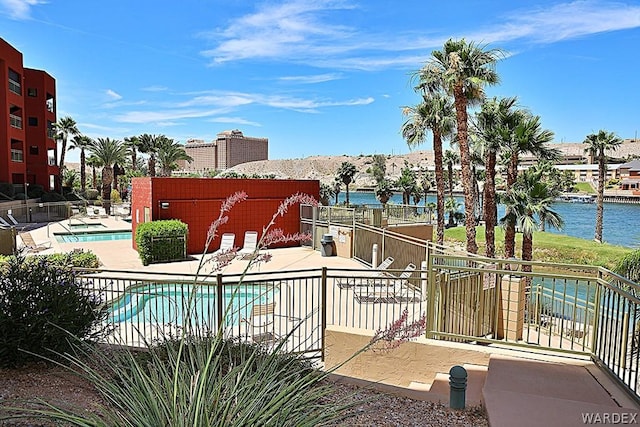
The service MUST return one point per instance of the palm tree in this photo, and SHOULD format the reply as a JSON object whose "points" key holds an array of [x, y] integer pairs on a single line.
{"points": [[489, 128], [133, 144], [384, 191], [337, 186], [346, 173], [597, 144], [108, 151], [435, 113], [82, 142], [169, 152], [450, 158], [65, 127], [523, 134], [529, 198], [149, 144], [451, 206], [94, 163], [406, 182], [462, 69]]}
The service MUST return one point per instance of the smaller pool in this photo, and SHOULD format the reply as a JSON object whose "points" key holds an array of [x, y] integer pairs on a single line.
{"points": [[86, 226], [101, 236]]}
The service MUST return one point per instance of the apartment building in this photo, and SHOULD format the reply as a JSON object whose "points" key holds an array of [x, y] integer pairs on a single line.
{"points": [[230, 148], [28, 150]]}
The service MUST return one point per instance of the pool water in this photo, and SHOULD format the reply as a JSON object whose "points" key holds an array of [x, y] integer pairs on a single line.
{"points": [[167, 303], [85, 226], [92, 236]]}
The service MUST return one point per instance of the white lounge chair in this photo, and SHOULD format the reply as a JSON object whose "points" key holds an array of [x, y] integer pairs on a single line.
{"points": [[391, 289], [30, 245], [344, 283], [12, 219], [226, 244], [250, 244]]}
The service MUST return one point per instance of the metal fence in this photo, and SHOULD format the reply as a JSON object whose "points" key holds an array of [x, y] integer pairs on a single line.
{"points": [[30, 211]]}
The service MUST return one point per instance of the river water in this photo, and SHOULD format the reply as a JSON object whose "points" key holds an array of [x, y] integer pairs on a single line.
{"points": [[620, 221]]}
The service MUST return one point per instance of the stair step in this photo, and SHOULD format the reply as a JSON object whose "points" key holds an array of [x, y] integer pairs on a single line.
{"points": [[419, 386]]}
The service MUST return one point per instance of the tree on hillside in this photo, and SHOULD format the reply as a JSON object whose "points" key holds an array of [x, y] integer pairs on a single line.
{"points": [[65, 127], [435, 113], [406, 182], [346, 172], [379, 168], [597, 145], [109, 152], [462, 69]]}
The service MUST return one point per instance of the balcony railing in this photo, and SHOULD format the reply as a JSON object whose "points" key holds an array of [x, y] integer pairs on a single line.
{"points": [[15, 121]]}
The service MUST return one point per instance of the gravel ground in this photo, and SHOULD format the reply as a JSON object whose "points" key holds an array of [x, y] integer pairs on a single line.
{"points": [[57, 385]]}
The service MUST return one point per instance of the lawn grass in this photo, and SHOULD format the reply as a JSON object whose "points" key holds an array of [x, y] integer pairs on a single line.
{"points": [[584, 187], [551, 247]]}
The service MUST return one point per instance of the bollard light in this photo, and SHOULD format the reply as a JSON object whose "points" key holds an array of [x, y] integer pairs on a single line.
{"points": [[374, 256], [457, 387]]}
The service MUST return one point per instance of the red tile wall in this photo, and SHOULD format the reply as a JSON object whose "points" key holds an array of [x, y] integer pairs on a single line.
{"points": [[197, 202]]}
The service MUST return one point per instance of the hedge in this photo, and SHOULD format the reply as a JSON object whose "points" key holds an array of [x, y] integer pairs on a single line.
{"points": [[162, 241]]}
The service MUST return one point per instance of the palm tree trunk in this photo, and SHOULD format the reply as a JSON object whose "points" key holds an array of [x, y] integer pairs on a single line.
{"points": [[465, 164], [347, 185], [510, 226], [600, 199], [527, 254], [152, 165], [489, 203], [107, 178], [437, 152], [83, 172]]}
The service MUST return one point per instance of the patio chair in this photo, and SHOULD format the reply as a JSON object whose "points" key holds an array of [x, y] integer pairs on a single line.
{"points": [[4, 222], [344, 283], [226, 245], [31, 245], [260, 323], [250, 244]]}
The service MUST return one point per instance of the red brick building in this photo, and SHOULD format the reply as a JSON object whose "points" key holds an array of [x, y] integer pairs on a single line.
{"points": [[197, 202], [28, 152]]}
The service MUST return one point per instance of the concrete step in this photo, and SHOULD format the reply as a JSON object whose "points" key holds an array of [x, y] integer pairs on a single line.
{"points": [[526, 392], [476, 375]]}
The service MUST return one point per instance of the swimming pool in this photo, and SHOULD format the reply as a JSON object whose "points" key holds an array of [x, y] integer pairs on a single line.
{"points": [[101, 236], [167, 303]]}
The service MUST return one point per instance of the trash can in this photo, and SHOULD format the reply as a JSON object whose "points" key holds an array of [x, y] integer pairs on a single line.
{"points": [[326, 245]]}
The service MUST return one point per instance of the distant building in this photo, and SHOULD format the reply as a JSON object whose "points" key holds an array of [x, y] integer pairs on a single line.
{"points": [[230, 148], [28, 150]]}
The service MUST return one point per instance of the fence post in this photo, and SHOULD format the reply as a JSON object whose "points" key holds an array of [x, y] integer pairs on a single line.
{"points": [[323, 310], [220, 301]]}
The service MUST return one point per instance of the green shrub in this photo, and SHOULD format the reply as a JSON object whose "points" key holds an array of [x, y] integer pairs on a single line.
{"points": [[19, 196], [35, 191], [41, 303], [91, 194], [7, 191], [170, 237], [52, 197], [115, 196], [75, 258]]}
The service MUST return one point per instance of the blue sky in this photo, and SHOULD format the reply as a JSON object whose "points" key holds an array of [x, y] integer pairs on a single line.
{"points": [[324, 77]]}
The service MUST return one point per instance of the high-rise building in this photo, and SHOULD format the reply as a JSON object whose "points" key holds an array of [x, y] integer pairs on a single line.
{"points": [[230, 148], [28, 151]]}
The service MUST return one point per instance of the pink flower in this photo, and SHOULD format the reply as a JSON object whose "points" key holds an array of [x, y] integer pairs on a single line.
{"points": [[399, 331]]}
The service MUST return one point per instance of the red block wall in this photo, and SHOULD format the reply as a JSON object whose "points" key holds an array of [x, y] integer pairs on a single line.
{"points": [[197, 202]]}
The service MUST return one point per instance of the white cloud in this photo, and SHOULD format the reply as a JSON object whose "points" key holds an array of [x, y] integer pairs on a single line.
{"points": [[155, 88], [234, 120], [318, 78], [113, 95], [304, 32], [163, 116], [19, 9]]}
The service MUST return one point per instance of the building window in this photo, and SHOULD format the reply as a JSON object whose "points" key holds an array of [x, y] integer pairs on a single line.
{"points": [[50, 103], [51, 131], [32, 91], [16, 155], [15, 85], [15, 121], [33, 150], [33, 121]]}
